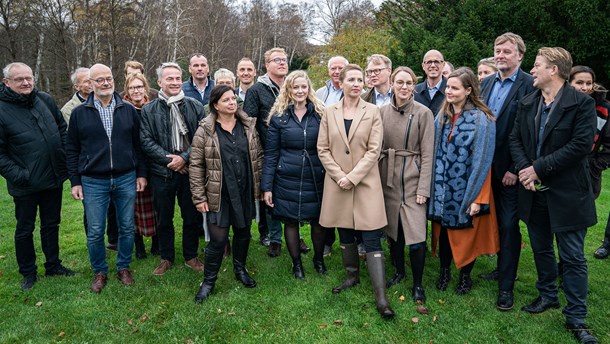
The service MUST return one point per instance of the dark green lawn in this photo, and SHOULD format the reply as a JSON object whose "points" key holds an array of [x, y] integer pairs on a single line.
{"points": [[279, 310]]}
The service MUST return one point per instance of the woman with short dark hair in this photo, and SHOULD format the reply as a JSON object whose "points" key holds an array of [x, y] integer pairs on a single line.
{"points": [[224, 172]]}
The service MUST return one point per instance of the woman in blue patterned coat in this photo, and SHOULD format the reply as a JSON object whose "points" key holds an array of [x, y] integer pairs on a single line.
{"points": [[461, 202], [293, 176]]}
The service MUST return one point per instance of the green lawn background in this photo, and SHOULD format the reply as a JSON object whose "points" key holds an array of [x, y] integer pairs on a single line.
{"points": [[280, 309]]}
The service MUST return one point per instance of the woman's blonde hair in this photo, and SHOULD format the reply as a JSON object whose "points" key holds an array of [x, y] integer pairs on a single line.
{"points": [[285, 98], [468, 80], [131, 77]]}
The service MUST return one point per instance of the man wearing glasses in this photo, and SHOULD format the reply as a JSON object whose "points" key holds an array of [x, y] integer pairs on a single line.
{"points": [[259, 100], [33, 162], [105, 164], [378, 72], [431, 92]]}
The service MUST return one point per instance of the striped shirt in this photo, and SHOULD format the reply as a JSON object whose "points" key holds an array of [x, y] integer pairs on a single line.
{"points": [[106, 114]]}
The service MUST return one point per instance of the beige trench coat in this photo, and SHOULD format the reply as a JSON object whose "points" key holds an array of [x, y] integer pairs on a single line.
{"points": [[406, 171], [354, 156]]}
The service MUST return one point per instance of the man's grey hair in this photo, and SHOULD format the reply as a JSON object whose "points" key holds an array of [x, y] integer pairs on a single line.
{"points": [[224, 73], [6, 71], [338, 57], [77, 71], [167, 65]]}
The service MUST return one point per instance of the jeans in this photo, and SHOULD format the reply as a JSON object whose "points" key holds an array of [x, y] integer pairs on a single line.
{"points": [[370, 239], [165, 191], [49, 203], [274, 227], [97, 194]]}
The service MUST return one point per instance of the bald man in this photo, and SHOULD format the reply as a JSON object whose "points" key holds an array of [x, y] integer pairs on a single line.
{"points": [[431, 92], [105, 164]]}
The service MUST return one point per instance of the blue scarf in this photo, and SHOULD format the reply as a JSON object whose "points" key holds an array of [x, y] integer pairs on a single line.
{"points": [[461, 165]]}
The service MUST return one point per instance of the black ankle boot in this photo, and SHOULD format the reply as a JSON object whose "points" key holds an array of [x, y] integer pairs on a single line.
{"points": [[443, 280], [464, 284], [395, 280], [213, 260], [418, 294], [240, 252], [297, 268], [319, 266], [351, 262]]}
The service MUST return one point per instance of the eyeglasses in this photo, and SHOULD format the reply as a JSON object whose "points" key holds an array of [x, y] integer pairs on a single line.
{"points": [[136, 88], [376, 71], [279, 60], [435, 62], [21, 80], [100, 81], [401, 83]]}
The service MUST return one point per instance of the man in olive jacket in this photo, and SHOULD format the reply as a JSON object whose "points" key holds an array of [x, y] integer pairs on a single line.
{"points": [[550, 144], [33, 161]]}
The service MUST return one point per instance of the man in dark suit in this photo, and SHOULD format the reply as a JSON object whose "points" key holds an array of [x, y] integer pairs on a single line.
{"points": [[550, 142], [502, 92], [431, 92]]}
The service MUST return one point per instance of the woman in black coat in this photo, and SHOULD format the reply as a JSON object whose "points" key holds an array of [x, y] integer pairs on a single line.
{"points": [[293, 175]]}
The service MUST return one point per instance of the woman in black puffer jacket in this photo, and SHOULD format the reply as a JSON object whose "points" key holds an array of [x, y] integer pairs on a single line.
{"points": [[293, 176]]}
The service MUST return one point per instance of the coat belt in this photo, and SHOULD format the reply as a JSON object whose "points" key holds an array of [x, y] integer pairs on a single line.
{"points": [[391, 155]]}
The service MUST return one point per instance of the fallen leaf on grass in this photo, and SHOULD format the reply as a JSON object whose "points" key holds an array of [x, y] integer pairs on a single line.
{"points": [[61, 334], [144, 318], [323, 326], [401, 298], [523, 244], [338, 322], [39, 304], [189, 340], [2, 257], [434, 318], [365, 324], [422, 310], [415, 320], [441, 301], [224, 270], [219, 310], [134, 331], [130, 322], [231, 313]]}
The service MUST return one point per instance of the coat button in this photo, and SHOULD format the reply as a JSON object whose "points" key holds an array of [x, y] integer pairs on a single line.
{"points": [[346, 152]]}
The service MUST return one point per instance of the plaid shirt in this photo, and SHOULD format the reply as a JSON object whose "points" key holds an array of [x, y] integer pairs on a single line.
{"points": [[106, 114]]}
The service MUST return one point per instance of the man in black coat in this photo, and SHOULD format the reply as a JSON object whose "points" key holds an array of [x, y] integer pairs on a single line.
{"points": [[502, 92], [33, 161], [431, 92], [550, 142]]}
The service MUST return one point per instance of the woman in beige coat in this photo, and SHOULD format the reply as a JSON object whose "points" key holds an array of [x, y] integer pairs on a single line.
{"points": [[406, 170], [349, 144]]}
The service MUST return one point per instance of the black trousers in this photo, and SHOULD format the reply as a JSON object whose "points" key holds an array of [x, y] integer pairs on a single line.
{"points": [[507, 206], [48, 202], [165, 193], [370, 239], [571, 252]]}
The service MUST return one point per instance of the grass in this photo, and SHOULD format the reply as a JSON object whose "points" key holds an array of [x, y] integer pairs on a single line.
{"points": [[279, 310]]}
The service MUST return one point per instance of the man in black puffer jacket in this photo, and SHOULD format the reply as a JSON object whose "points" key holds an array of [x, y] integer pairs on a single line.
{"points": [[33, 161]]}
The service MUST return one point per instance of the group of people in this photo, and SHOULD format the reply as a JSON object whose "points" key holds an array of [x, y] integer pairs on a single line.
{"points": [[472, 154]]}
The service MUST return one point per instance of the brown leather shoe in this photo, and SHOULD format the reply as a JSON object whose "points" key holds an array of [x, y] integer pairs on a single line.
{"points": [[162, 268], [125, 277], [99, 282], [194, 264]]}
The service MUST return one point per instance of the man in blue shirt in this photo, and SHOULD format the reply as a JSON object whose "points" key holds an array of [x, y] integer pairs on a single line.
{"points": [[502, 92], [431, 92], [199, 85], [378, 71], [331, 92]]}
